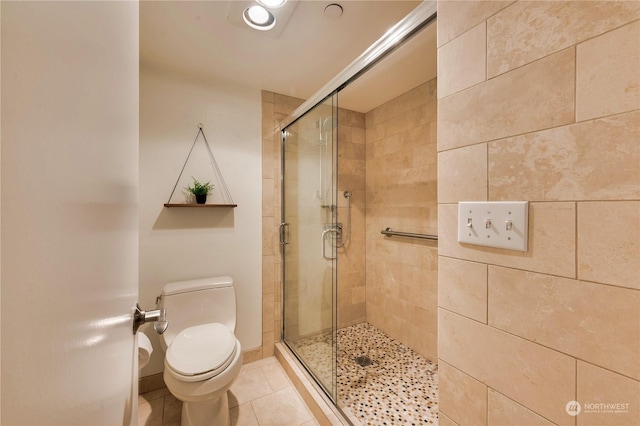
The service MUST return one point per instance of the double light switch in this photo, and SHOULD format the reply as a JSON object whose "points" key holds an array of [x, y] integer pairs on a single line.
{"points": [[500, 224]]}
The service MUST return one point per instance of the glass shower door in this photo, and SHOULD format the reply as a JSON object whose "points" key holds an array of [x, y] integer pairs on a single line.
{"points": [[308, 237]]}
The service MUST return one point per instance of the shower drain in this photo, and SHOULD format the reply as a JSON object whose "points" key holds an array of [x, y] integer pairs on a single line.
{"points": [[363, 361]]}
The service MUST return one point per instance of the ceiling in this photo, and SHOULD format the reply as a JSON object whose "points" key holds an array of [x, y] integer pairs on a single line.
{"points": [[199, 39]]}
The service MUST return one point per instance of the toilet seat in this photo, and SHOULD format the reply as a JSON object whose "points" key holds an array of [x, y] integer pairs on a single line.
{"points": [[201, 352]]}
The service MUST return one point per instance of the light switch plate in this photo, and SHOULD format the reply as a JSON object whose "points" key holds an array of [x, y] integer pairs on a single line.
{"points": [[500, 224]]}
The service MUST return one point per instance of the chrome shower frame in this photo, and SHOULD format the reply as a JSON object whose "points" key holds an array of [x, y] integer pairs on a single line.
{"points": [[420, 17]]}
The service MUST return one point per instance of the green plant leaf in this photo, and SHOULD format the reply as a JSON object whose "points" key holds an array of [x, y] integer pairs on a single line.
{"points": [[200, 188]]}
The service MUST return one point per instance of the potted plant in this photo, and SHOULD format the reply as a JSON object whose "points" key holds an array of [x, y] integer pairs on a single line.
{"points": [[200, 190]]}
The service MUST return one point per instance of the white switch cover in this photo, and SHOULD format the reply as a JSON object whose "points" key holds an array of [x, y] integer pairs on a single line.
{"points": [[501, 224]]}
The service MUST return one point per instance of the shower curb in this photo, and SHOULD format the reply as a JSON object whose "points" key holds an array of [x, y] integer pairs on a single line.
{"points": [[319, 404]]}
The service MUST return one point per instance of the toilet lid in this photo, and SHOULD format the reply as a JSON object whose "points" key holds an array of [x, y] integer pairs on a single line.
{"points": [[197, 350]]}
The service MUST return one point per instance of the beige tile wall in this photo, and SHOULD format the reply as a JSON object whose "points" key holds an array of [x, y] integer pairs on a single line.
{"points": [[401, 188], [351, 258], [548, 111], [351, 266], [275, 108]]}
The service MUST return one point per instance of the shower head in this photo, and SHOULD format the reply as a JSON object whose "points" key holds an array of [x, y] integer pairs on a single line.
{"points": [[324, 126], [321, 140], [329, 124]]}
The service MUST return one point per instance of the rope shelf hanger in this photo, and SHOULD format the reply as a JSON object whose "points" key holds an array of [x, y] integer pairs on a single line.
{"points": [[224, 190]]}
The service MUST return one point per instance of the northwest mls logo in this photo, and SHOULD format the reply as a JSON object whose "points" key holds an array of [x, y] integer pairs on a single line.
{"points": [[573, 408]]}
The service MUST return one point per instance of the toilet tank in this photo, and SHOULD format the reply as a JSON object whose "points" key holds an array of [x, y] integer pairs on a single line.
{"points": [[195, 302]]}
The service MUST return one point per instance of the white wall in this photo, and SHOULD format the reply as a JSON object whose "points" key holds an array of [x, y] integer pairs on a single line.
{"points": [[182, 243]]}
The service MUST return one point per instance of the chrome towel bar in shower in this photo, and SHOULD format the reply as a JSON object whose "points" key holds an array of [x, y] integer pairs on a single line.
{"points": [[390, 233]]}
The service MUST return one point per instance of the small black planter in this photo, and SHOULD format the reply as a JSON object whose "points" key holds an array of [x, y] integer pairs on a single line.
{"points": [[201, 199]]}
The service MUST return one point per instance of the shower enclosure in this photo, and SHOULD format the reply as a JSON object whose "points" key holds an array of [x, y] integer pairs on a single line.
{"points": [[316, 224], [309, 234]]}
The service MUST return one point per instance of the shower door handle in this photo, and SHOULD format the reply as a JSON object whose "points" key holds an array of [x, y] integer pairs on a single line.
{"points": [[283, 230], [324, 243]]}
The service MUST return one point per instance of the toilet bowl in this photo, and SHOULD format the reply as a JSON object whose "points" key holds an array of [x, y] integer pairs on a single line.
{"points": [[203, 356]]}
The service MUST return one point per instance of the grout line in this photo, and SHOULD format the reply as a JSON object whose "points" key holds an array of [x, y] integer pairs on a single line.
{"points": [[575, 83], [520, 404], [576, 242], [576, 382], [486, 315]]}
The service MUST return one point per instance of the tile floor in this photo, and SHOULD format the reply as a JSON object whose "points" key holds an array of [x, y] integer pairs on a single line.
{"points": [[399, 387], [261, 395]]}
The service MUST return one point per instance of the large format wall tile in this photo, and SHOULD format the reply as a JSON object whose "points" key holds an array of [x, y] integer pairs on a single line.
{"points": [[570, 162], [274, 108], [465, 60], [268, 235], [268, 160], [285, 105], [351, 259], [608, 72], [268, 197], [550, 26], [268, 123], [504, 411], [415, 98], [530, 374], [558, 112], [599, 386], [594, 322], [462, 15], [401, 274], [534, 97], [443, 420], [401, 292], [462, 174], [462, 287], [551, 240], [461, 397], [609, 242]]}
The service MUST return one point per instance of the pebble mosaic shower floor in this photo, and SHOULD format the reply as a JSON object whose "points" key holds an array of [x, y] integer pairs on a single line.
{"points": [[400, 387]]}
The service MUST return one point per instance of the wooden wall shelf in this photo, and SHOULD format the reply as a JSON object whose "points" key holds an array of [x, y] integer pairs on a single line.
{"points": [[200, 205]]}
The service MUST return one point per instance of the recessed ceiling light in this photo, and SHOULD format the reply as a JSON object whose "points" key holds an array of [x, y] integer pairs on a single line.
{"points": [[259, 18], [272, 4], [333, 11]]}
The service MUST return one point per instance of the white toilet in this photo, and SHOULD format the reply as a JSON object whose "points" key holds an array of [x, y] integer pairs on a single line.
{"points": [[203, 356]]}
